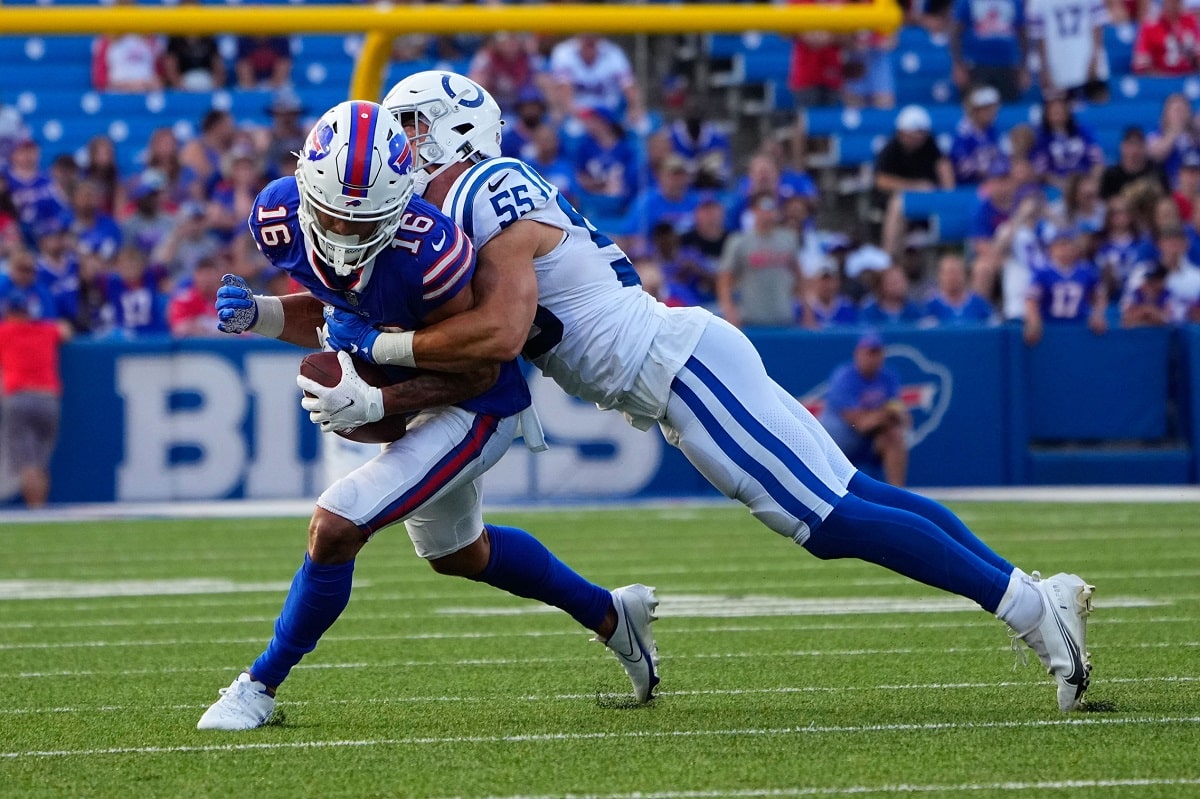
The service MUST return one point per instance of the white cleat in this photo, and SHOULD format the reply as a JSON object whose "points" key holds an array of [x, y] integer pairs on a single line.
{"points": [[1059, 639], [244, 705], [633, 641]]}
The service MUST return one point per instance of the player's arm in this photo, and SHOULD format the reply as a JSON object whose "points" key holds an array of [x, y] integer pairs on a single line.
{"points": [[504, 289], [503, 301], [436, 389], [293, 318]]}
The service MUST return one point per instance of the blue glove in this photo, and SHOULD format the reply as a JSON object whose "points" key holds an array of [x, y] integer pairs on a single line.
{"points": [[350, 333], [237, 311]]}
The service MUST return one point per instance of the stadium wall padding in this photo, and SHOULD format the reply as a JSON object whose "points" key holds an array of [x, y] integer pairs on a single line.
{"points": [[220, 418]]}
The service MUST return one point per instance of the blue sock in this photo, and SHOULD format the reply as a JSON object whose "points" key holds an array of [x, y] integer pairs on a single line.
{"points": [[521, 565], [318, 595], [907, 544], [880, 493]]}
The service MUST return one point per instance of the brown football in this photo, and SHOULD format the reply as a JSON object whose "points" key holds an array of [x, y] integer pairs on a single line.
{"points": [[324, 368]]}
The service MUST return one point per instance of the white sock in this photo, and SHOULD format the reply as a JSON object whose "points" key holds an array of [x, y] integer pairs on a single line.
{"points": [[1021, 606]]}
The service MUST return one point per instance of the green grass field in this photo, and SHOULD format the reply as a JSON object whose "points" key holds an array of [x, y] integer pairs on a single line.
{"points": [[781, 675]]}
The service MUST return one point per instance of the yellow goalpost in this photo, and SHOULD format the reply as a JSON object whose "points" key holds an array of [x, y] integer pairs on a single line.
{"points": [[382, 22]]}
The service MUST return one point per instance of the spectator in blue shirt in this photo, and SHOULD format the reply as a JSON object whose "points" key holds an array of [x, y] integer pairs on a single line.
{"points": [[864, 413], [530, 113], [976, 147], [21, 280], [1066, 288], [671, 200], [89, 224], [891, 304], [703, 145], [824, 304], [1064, 147], [606, 170], [546, 156], [954, 304], [988, 46]]}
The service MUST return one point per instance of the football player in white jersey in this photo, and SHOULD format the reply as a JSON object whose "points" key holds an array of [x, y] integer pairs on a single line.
{"points": [[549, 285], [346, 229]]}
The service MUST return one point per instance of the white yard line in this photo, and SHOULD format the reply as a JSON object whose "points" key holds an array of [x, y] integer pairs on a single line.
{"points": [[416, 700], [554, 737], [489, 662]]}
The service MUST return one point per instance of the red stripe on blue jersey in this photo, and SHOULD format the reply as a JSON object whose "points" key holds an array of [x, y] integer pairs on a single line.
{"points": [[445, 277], [439, 476], [363, 119]]}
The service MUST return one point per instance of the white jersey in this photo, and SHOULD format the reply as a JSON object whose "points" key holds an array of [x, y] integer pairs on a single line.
{"points": [[1066, 27], [594, 323], [600, 84]]}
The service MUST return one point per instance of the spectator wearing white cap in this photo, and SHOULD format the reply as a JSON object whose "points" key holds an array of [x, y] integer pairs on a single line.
{"points": [[977, 145], [910, 161]]}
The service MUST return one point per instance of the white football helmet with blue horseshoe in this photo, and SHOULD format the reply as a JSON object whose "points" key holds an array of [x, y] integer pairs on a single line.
{"points": [[355, 175], [460, 118]]}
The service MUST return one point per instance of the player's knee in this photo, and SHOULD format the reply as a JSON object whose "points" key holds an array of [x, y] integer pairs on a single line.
{"points": [[470, 561], [333, 538]]}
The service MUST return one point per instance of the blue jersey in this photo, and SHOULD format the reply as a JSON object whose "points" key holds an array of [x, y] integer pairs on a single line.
{"points": [[652, 207], [839, 312], [1059, 154], [710, 149], [429, 261], [974, 310], [1119, 256], [139, 308], [39, 302], [849, 390], [62, 282], [874, 314], [1064, 295], [973, 152], [28, 195], [989, 31]]}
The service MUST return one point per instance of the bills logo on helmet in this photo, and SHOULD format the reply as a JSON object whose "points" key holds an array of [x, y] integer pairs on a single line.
{"points": [[926, 388], [400, 158], [319, 141]]}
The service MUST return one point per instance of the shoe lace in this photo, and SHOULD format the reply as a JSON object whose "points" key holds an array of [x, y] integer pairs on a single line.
{"points": [[1019, 650], [1015, 643]]}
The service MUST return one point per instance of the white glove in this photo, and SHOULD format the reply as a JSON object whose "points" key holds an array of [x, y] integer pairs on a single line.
{"points": [[350, 404]]}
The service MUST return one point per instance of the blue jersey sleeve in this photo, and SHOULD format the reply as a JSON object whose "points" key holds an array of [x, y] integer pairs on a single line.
{"points": [[275, 224], [443, 252]]}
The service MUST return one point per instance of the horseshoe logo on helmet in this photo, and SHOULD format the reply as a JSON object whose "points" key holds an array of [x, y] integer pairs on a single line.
{"points": [[472, 102]]}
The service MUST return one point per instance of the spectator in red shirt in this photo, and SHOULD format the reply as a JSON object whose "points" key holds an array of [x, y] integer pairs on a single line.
{"points": [[191, 311], [30, 395], [1168, 43]]}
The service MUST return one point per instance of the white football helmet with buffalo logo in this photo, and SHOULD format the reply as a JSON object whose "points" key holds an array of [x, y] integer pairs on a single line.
{"points": [[462, 120], [355, 176]]}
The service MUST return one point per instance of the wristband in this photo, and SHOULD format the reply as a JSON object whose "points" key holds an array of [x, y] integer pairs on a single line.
{"points": [[270, 316], [395, 349]]}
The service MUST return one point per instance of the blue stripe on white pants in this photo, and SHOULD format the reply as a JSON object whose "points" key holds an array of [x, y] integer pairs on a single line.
{"points": [[725, 415]]}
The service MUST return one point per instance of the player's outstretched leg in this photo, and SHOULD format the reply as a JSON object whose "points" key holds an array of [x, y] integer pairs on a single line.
{"points": [[1049, 615], [318, 595], [520, 564], [872, 490]]}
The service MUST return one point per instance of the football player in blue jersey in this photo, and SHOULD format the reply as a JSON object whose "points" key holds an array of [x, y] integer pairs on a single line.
{"points": [[347, 228], [603, 339]]}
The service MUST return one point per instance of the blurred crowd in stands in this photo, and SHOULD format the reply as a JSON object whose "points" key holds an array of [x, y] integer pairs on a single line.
{"points": [[711, 214]]}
